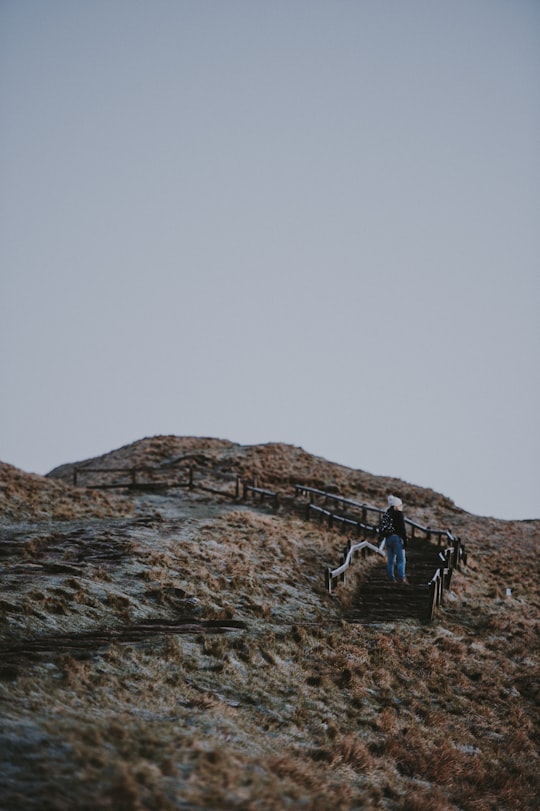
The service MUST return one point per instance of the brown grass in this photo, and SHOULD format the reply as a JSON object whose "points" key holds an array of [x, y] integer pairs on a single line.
{"points": [[299, 710], [26, 496]]}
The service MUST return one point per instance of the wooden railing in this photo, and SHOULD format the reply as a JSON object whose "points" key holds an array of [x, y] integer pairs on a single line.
{"points": [[145, 477], [347, 558], [453, 555], [440, 582], [261, 492], [134, 477], [335, 518]]}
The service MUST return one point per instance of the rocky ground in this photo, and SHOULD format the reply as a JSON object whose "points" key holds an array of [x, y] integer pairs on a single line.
{"points": [[176, 648]]}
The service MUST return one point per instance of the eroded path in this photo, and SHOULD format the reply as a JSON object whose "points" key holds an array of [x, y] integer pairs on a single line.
{"points": [[78, 586], [185, 563]]}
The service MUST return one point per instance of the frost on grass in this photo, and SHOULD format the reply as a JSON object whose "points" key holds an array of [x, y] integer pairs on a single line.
{"points": [[293, 708]]}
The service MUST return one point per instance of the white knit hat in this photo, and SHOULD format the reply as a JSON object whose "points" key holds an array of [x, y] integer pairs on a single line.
{"points": [[394, 501]]}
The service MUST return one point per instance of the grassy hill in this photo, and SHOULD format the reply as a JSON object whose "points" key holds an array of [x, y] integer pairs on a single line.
{"points": [[177, 649]]}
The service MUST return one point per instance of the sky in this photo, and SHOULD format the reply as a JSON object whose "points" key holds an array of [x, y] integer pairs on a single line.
{"points": [[303, 221]]}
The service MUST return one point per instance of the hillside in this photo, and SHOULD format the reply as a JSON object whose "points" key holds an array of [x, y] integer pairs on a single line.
{"points": [[26, 496], [176, 648]]}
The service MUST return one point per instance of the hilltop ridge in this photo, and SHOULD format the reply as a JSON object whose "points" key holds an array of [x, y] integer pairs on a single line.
{"points": [[277, 464], [177, 648]]}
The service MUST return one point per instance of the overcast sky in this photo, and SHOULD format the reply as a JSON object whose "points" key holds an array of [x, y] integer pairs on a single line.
{"points": [[306, 221]]}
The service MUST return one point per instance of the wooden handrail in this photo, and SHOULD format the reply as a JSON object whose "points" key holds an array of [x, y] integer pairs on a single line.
{"points": [[334, 518], [332, 574], [312, 491], [131, 472], [260, 491]]}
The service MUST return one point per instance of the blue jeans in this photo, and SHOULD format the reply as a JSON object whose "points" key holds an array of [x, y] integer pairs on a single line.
{"points": [[395, 556]]}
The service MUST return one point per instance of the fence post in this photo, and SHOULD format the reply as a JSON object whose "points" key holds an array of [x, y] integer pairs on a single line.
{"points": [[432, 600], [448, 579], [447, 573], [191, 477], [442, 586], [75, 472], [455, 560], [328, 580]]}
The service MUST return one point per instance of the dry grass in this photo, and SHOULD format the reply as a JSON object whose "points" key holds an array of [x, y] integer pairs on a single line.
{"points": [[28, 497], [299, 710]]}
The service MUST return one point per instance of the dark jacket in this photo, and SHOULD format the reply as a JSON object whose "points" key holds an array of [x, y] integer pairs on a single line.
{"points": [[399, 523]]}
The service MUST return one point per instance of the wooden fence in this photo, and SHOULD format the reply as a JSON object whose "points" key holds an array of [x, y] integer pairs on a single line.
{"points": [[337, 510], [148, 478], [351, 551], [131, 477], [335, 518]]}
